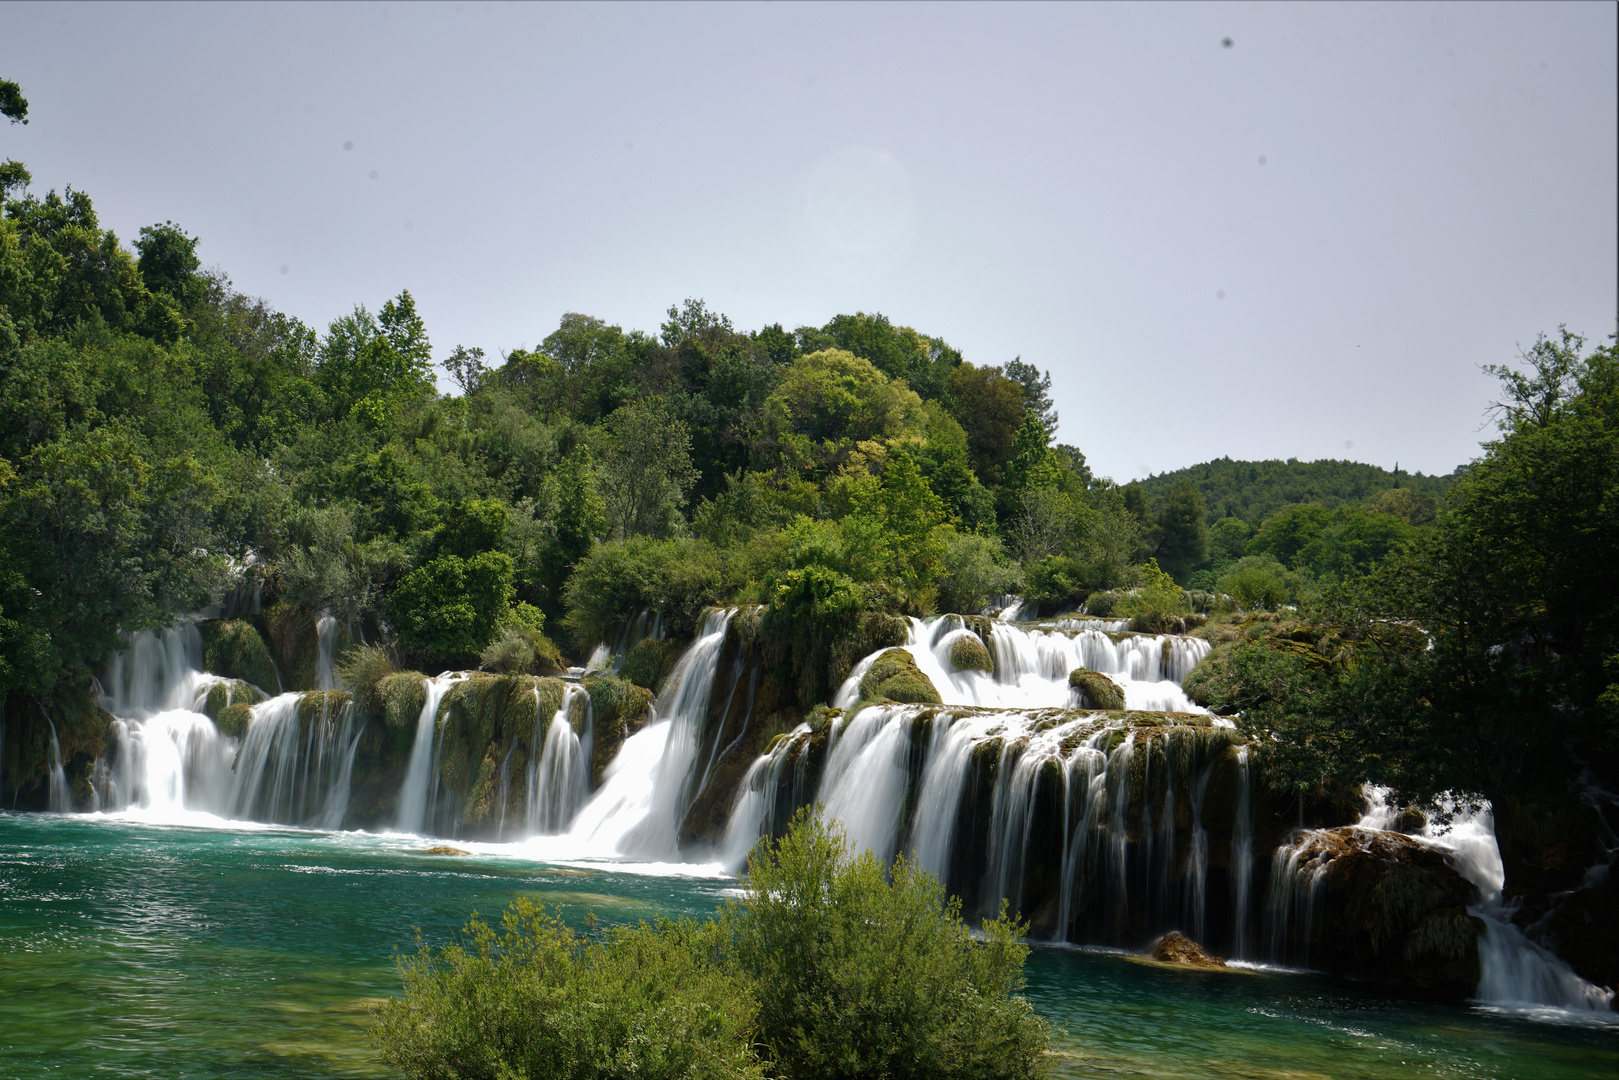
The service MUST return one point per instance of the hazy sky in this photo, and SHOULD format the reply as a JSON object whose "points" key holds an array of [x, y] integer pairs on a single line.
{"points": [[1299, 244]]}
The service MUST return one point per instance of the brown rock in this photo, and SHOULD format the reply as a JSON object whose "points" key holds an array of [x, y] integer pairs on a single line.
{"points": [[1176, 948], [442, 849]]}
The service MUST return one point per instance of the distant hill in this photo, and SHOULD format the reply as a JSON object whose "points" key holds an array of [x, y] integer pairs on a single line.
{"points": [[1253, 490]]}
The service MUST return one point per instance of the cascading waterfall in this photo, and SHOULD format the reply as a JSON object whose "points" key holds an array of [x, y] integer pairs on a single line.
{"points": [[325, 646], [421, 770], [1514, 971], [1242, 858], [559, 774], [294, 769], [646, 790], [60, 801]]}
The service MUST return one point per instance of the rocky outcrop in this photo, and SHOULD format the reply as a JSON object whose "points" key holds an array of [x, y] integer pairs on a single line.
{"points": [[234, 649], [1375, 906], [1176, 948], [1096, 691], [894, 676]]}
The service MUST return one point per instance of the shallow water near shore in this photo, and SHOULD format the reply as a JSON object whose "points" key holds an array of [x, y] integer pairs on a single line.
{"points": [[131, 948]]}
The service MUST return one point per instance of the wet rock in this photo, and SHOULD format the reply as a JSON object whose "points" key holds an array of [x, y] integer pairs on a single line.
{"points": [[1096, 690], [442, 849], [1176, 948], [1378, 907]]}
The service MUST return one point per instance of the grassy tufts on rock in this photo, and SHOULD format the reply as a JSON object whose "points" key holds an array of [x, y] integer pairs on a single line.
{"points": [[224, 694], [649, 662], [362, 671], [894, 676], [232, 720], [1096, 690]]}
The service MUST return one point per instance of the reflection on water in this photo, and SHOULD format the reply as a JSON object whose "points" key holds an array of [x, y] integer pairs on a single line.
{"points": [[147, 950]]}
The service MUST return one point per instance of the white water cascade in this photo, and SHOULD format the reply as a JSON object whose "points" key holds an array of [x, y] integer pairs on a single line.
{"points": [[1514, 972], [647, 788], [421, 772], [293, 771], [1032, 665], [559, 776], [60, 801]]}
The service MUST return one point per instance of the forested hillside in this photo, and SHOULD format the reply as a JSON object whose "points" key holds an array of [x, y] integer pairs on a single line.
{"points": [[1254, 490]]}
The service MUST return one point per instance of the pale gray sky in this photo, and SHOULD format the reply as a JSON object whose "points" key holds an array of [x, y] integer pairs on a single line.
{"points": [[1302, 244]]}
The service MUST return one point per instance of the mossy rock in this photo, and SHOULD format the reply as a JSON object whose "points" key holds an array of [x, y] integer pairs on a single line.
{"points": [[894, 676], [620, 709], [820, 718], [232, 720], [225, 694], [1097, 690], [235, 649], [403, 696], [648, 662], [968, 653]]}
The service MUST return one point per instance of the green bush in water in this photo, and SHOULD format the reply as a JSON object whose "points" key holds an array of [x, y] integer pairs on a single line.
{"points": [[648, 663], [235, 650], [535, 999], [861, 970], [968, 652], [894, 676], [1099, 691]]}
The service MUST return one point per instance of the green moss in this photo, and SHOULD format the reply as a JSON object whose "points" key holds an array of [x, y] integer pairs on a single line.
{"points": [[894, 676], [232, 720], [649, 662], [402, 697], [224, 694], [235, 650], [1097, 690], [967, 652]]}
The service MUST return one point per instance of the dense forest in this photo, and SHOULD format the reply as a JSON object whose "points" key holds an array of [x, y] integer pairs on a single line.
{"points": [[166, 440]]}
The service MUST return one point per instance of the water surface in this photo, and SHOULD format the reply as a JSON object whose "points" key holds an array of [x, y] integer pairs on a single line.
{"points": [[130, 948]]}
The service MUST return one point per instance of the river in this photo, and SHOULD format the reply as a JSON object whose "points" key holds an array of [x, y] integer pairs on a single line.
{"points": [[130, 947]]}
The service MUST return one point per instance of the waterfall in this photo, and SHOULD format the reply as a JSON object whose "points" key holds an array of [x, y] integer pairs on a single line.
{"points": [[1242, 857], [325, 644], [753, 810], [1032, 665], [558, 774], [60, 801], [864, 785], [420, 770], [1514, 971], [647, 789], [1297, 873], [292, 768], [167, 764]]}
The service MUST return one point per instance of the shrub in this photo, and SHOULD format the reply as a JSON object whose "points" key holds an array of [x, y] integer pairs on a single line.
{"points": [[972, 572], [535, 999], [648, 662], [1156, 603], [1257, 582], [677, 577], [509, 653], [361, 670], [858, 972], [236, 650], [969, 652]]}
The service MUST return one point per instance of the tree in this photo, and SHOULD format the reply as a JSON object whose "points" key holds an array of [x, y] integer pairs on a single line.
{"points": [[448, 608], [646, 470], [168, 263], [370, 365], [13, 106], [1036, 392], [1183, 532], [989, 407], [466, 368]]}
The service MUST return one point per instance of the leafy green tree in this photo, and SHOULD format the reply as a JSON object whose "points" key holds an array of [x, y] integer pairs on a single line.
{"points": [[1182, 532], [973, 569], [645, 470], [1287, 532], [370, 365], [168, 263], [990, 408], [448, 608], [13, 106], [864, 970], [829, 400], [1256, 583], [1036, 391]]}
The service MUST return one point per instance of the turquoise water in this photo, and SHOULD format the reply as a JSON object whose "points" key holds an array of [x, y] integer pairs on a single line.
{"points": [[133, 949]]}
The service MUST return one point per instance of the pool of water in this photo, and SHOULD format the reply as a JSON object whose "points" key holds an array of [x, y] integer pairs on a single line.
{"points": [[140, 949]]}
